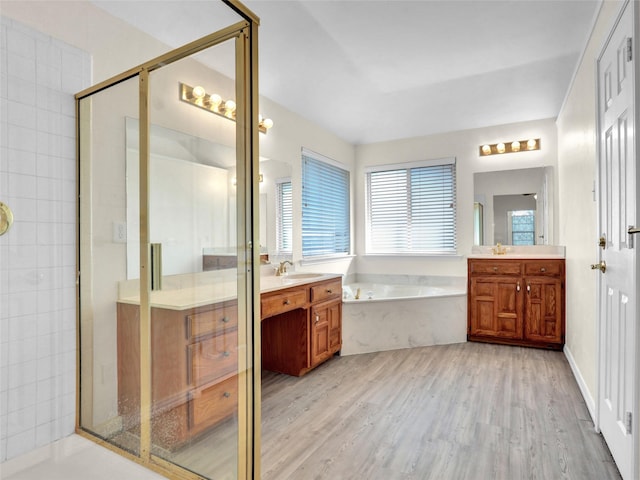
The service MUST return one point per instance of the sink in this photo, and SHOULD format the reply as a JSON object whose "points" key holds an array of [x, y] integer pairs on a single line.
{"points": [[302, 276]]}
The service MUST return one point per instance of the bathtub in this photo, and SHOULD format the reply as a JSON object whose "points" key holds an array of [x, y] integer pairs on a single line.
{"points": [[396, 312]]}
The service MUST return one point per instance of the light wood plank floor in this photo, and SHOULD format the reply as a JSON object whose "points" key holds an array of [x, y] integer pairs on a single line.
{"points": [[454, 412]]}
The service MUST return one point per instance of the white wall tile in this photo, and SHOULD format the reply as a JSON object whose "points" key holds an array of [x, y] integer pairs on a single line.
{"points": [[23, 233], [22, 186], [37, 258], [21, 115], [20, 161], [24, 210], [20, 90], [22, 68]]}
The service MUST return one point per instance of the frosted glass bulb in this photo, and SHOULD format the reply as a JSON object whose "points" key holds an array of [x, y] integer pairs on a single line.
{"points": [[267, 123], [198, 92], [230, 105], [515, 146], [486, 149], [500, 147], [531, 144], [215, 100]]}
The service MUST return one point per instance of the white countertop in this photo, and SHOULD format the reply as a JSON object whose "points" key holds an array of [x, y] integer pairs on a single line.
{"points": [[215, 292], [519, 252]]}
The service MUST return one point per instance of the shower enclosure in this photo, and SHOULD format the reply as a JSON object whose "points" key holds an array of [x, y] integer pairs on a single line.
{"points": [[168, 350]]}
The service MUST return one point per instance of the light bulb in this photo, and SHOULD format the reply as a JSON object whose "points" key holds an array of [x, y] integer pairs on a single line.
{"points": [[486, 149], [500, 147], [531, 144], [515, 146], [267, 123], [230, 105], [215, 100], [198, 92]]}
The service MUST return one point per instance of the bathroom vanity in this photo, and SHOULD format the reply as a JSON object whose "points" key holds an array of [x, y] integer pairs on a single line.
{"points": [[194, 348], [517, 299], [301, 325]]}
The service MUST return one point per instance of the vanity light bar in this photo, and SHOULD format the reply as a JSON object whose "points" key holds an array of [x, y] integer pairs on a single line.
{"points": [[510, 147], [215, 104]]}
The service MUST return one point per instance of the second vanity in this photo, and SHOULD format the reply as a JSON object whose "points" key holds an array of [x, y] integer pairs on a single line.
{"points": [[194, 347], [517, 297]]}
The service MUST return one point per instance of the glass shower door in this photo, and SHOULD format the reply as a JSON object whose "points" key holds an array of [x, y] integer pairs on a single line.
{"points": [[168, 187], [194, 255]]}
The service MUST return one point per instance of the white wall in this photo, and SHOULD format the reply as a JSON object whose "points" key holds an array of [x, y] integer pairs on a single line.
{"points": [[39, 75], [464, 146], [578, 229]]}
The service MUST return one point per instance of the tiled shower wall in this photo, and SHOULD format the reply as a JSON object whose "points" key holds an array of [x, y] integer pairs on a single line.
{"points": [[38, 77]]}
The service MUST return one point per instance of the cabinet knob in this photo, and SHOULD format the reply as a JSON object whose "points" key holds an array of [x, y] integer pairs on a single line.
{"points": [[287, 301], [528, 288], [225, 354], [495, 269], [225, 320], [329, 291], [317, 318], [518, 287], [226, 394], [542, 269]]}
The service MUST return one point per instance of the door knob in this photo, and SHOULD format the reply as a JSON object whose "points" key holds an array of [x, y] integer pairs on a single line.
{"points": [[602, 266]]}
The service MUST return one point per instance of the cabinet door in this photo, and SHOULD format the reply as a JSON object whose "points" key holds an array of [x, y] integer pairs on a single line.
{"points": [[320, 334], [496, 307], [335, 327], [543, 309]]}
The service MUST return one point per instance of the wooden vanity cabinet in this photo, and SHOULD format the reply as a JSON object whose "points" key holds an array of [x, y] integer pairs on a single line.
{"points": [[518, 302], [194, 366], [301, 326]]}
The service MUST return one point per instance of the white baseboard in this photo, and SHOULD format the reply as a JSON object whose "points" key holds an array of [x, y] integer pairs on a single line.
{"points": [[586, 394]]}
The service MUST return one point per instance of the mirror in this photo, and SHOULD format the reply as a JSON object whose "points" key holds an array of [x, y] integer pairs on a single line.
{"points": [[513, 207], [198, 173]]}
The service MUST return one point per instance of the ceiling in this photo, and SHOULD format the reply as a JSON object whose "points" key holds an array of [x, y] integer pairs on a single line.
{"points": [[373, 71]]}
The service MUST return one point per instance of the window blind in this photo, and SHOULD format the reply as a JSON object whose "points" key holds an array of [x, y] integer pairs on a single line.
{"points": [[284, 216], [412, 209], [325, 207]]}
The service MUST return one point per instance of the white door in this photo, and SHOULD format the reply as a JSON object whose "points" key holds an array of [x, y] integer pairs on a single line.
{"points": [[617, 398]]}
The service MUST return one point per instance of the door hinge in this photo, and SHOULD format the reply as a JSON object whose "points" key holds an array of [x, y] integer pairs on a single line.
{"points": [[629, 49], [628, 417]]}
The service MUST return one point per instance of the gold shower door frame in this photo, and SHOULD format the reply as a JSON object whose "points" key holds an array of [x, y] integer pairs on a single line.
{"points": [[247, 157]]}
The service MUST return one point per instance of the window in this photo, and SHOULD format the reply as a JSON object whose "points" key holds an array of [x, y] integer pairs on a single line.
{"points": [[325, 207], [284, 216], [411, 208], [522, 226]]}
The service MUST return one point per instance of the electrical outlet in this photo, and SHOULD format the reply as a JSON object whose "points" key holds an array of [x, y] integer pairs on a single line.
{"points": [[119, 232]]}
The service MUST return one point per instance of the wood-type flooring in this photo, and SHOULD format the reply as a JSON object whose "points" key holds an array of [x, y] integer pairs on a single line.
{"points": [[467, 411]]}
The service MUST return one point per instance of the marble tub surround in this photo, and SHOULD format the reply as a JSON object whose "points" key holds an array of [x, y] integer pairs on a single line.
{"points": [[407, 323], [381, 324], [519, 251]]}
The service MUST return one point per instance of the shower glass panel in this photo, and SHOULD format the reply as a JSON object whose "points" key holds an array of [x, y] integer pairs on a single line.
{"points": [[103, 263], [192, 230], [168, 302]]}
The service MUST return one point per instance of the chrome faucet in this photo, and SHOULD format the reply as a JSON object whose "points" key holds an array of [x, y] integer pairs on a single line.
{"points": [[282, 268]]}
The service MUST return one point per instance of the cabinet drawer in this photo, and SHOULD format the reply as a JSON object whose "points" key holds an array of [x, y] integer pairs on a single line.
{"points": [[544, 267], [214, 321], [326, 290], [212, 358], [492, 267], [211, 404], [285, 301]]}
